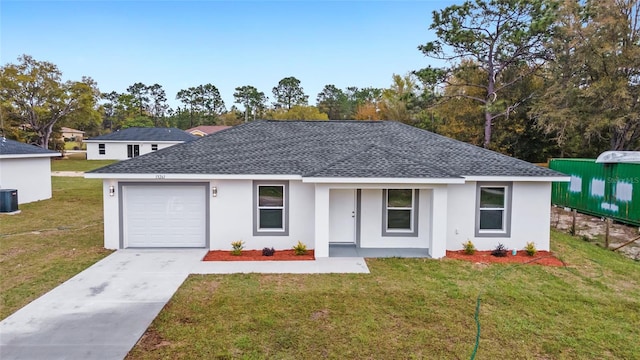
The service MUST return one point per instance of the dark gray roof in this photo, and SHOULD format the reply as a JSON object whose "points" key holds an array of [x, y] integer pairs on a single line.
{"points": [[146, 134], [12, 147], [328, 149]]}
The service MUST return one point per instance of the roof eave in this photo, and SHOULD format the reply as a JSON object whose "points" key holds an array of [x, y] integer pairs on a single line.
{"points": [[519, 178], [381, 180], [164, 176], [27, 156]]}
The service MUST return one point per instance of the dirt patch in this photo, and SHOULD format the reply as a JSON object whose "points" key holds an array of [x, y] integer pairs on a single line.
{"points": [[482, 257], [256, 255], [592, 228], [151, 340]]}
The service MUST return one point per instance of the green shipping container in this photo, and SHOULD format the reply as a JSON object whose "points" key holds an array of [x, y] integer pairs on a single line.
{"points": [[608, 190]]}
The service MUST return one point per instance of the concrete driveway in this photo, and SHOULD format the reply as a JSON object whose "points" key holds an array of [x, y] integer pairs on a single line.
{"points": [[101, 312]]}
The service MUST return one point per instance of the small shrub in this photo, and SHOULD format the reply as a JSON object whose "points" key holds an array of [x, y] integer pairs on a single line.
{"points": [[268, 251], [236, 247], [300, 248], [530, 249], [499, 251], [468, 248]]}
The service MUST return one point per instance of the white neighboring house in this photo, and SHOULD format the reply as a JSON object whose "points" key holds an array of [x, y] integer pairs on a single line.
{"points": [[363, 184], [26, 168], [132, 142]]}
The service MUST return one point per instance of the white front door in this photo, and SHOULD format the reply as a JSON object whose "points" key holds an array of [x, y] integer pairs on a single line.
{"points": [[342, 216]]}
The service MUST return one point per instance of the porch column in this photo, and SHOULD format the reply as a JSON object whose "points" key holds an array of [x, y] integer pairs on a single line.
{"points": [[322, 221], [438, 246]]}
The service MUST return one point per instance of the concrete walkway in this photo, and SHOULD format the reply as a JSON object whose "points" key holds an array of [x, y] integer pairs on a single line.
{"points": [[103, 311]]}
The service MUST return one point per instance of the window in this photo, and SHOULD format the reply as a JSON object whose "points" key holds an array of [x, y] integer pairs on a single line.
{"points": [[133, 150], [493, 213], [101, 149], [271, 208], [400, 212], [154, 147]]}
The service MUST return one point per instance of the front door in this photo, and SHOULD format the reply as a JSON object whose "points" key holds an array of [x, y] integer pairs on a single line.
{"points": [[342, 216]]}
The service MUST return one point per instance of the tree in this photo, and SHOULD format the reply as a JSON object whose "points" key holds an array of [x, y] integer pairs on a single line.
{"points": [[299, 112], [254, 101], [592, 101], [204, 103], [492, 36], [289, 93], [140, 94], [333, 102], [158, 103], [34, 94], [397, 100]]}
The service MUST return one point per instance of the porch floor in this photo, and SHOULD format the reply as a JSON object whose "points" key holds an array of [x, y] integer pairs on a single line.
{"points": [[351, 250]]}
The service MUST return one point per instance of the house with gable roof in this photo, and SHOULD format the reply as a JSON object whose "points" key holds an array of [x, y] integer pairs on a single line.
{"points": [[132, 142], [358, 184]]}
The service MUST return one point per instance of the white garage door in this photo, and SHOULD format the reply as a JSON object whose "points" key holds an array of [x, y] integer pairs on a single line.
{"points": [[164, 215]]}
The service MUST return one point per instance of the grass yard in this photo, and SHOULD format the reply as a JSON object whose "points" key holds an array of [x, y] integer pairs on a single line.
{"points": [[410, 309], [77, 162], [50, 241]]}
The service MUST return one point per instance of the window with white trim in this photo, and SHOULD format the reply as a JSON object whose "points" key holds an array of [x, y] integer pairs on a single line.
{"points": [[102, 149], [400, 212], [270, 212], [493, 210]]}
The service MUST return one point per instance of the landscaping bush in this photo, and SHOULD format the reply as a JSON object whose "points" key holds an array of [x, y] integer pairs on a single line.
{"points": [[530, 249], [268, 251], [236, 247], [468, 248], [300, 248], [499, 251]]}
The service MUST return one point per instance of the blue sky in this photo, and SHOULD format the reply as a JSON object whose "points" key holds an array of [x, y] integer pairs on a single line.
{"points": [[228, 44]]}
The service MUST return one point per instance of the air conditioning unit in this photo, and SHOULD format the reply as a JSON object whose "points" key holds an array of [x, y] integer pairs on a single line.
{"points": [[8, 200]]}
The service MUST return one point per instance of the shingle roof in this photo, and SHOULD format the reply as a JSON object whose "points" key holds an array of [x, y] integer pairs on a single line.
{"points": [[328, 149], [145, 134], [12, 147]]}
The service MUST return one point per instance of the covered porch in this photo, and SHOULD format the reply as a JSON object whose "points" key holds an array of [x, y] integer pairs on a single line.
{"points": [[354, 220], [352, 250]]}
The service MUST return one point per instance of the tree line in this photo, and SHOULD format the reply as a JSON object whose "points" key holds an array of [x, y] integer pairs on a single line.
{"points": [[532, 79]]}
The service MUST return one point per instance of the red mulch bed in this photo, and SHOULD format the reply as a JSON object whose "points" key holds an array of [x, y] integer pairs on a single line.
{"points": [[540, 258], [256, 255]]}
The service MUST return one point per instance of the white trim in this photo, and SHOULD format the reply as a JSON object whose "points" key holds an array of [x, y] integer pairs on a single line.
{"points": [[25, 156], [410, 209], [382, 180], [258, 208], [136, 141], [161, 176], [519, 178]]}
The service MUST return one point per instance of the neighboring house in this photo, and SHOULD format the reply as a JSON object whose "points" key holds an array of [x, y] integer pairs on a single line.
{"points": [[204, 130], [369, 184], [72, 134], [26, 168], [133, 142]]}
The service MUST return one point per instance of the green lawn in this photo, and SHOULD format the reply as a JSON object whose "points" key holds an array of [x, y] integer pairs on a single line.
{"points": [[50, 241], [77, 162], [410, 309]]}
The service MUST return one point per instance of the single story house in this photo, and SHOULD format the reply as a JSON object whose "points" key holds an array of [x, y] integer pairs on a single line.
{"points": [[204, 130], [26, 168], [132, 142], [366, 184], [72, 134]]}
